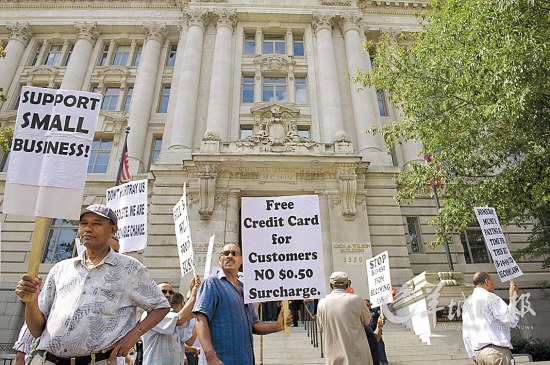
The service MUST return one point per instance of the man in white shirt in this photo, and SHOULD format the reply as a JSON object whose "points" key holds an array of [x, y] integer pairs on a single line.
{"points": [[486, 322]]}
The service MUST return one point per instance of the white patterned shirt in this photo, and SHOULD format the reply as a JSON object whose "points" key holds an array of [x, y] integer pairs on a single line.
{"points": [[87, 311]]}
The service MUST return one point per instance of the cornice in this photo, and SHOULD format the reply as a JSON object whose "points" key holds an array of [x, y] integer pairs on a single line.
{"points": [[94, 4]]}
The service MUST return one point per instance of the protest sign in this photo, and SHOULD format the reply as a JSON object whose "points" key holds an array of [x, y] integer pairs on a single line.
{"points": [[506, 266], [50, 150], [79, 246], [282, 248], [183, 235], [129, 202], [379, 279], [208, 262]]}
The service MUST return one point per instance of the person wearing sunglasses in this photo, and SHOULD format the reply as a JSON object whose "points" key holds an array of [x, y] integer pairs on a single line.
{"points": [[161, 343], [224, 323]]}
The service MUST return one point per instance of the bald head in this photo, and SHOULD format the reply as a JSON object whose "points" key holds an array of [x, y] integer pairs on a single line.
{"points": [[483, 280]]}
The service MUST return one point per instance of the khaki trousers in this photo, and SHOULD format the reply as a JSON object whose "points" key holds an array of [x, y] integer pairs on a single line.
{"points": [[494, 355]]}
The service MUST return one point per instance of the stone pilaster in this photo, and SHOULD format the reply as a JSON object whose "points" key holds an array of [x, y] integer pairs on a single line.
{"points": [[80, 58], [332, 119], [145, 88]]}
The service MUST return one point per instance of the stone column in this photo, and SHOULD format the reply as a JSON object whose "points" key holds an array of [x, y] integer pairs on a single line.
{"points": [[332, 119], [145, 88], [232, 219], [364, 103], [80, 58], [220, 82], [19, 38], [186, 108]]}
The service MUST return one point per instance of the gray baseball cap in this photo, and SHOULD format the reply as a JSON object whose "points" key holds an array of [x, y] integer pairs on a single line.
{"points": [[102, 210]]}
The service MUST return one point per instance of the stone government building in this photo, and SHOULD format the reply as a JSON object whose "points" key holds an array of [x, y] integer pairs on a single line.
{"points": [[237, 98]]}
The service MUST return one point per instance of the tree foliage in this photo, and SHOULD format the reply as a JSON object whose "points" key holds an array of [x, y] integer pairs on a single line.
{"points": [[2, 55], [473, 87]]}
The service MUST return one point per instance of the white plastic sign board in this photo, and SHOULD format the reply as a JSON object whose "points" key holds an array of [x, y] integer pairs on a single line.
{"points": [[507, 268], [208, 263], [282, 248], [183, 235], [129, 201], [379, 279], [50, 151]]}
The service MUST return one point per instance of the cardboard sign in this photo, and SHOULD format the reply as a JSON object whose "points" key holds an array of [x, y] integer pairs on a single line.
{"points": [[129, 202], [379, 278], [183, 235], [506, 266], [50, 151], [282, 248]]}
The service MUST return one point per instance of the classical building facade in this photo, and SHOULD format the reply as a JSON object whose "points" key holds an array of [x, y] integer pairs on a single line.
{"points": [[234, 98]]}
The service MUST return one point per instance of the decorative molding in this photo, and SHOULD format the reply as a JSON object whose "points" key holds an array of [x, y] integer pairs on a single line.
{"points": [[225, 18], [274, 62], [196, 17], [20, 32], [156, 31], [109, 4], [207, 187], [336, 2], [86, 31], [322, 21], [347, 183], [350, 21]]}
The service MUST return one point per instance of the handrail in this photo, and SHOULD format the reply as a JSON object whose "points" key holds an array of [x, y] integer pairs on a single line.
{"points": [[311, 325]]}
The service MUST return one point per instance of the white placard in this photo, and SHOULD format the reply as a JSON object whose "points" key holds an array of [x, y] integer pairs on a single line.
{"points": [[79, 246], [379, 278], [183, 235], [129, 201], [506, 266], [282, 248], [50, 151], [208, 263]]}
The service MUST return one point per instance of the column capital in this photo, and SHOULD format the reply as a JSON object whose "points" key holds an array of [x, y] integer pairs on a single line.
{"points": [[392, 33], [20, 32], [350, 21], [86, 31], [323, 21], [225, 18], [155, 31], [196, 17]]}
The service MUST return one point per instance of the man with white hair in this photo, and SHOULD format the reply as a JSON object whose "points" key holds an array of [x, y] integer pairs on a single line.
{"points": [[342, 317]]}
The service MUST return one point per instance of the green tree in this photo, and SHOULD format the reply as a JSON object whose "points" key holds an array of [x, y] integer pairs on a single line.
{"points": [[473, 87], [2, 55]]}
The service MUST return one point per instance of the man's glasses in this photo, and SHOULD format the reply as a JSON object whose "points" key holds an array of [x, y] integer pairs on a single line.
{"points": [[234, 253], [165, 291]]}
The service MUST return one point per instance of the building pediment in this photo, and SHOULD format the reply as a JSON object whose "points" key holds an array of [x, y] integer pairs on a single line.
{"points": [[274, 62]]}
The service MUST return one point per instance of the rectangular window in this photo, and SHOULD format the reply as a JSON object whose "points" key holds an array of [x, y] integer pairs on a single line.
{"points": [[475, 251], [248, 89], [304, 132], [382, 107], [172, 56], [274, 43], [164, 98], [301, 90], [128, 99], [100, 155], [246, 131], [274, 89], [36, 55], [121, 56], [413, 237], [103, 61], [249, 43], [60, 240], [69, 54], [110, 98], [137, 57], [54, 54], [298, 41], [155, 152]]}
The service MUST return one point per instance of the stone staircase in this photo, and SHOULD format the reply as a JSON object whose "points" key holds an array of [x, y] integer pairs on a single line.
{"points": [[402, 347]]}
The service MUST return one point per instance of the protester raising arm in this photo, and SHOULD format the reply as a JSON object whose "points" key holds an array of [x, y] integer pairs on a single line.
{"points": [[186, 313]]}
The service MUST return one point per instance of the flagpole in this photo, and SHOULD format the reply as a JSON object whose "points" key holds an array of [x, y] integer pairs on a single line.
{"points": [[119, 173]]}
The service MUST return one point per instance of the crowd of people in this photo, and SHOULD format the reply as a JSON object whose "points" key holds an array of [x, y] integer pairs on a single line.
{"points": [[85, 313]]}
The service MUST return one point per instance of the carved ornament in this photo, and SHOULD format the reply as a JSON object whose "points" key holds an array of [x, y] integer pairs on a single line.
{"points": [[280, 63], [323, 21], [196, 17], [86, 31], [20, 32], [350, 21], [156, 31], [336, 2], [207, 187], [225, 18], [347, 183]]}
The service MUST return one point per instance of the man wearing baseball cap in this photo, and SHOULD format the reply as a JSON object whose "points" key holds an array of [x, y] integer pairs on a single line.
{"points": [[86, 309], [341, 318]]}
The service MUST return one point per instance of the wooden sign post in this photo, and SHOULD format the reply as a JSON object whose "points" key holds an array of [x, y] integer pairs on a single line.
{"points": [[37, 249]]}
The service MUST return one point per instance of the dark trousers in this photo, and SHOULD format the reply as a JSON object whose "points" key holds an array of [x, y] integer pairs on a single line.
{"points": [[192, 358]]}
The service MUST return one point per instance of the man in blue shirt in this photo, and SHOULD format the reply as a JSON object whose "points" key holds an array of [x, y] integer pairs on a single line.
{"points": [[224, 323]]}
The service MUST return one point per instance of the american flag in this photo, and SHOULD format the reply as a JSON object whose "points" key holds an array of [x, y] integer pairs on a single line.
{"points": [[124, 168]]}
